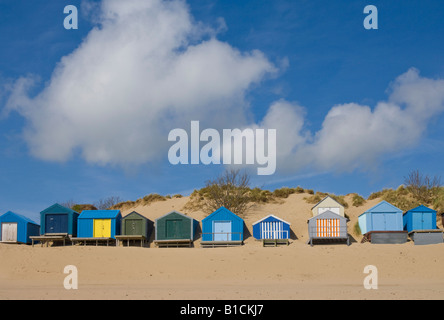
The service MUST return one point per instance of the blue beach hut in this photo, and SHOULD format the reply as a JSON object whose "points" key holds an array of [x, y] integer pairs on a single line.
{"points": [[382, 217], [16, 228], [223, 226], [99, 224], [386, 220], [420, 218], [420, 223]]}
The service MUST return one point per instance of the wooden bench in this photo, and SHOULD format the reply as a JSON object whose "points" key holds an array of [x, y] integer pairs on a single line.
{"points": [[178, 243], [130, 238], [46, 239]]}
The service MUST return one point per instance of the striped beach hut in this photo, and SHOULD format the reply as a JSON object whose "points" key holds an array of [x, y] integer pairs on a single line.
{"points": [[99, 224], [328, 204], [222, 227], [272, 230], [420, 223], [16, 228], [328, 227], [58, 219], [383, 223]]}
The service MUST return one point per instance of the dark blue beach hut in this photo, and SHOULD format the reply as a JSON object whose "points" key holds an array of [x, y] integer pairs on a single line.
{"points": [[420, 218], [16, 228], [420, 223], [58, 220], [222, 226], [271, 227]]}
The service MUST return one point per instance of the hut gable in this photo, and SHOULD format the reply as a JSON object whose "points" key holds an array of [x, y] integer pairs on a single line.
{"points": [[328, 204], [383, 207]]}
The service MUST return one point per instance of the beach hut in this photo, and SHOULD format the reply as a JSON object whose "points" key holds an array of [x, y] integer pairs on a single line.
{"points": [[222, 227], [16, 228], [328, 227], [383, 223], [98, 225], [58, 220], [420, 223], [135, 227], [175, 229], [328, 204], [272, 230]]}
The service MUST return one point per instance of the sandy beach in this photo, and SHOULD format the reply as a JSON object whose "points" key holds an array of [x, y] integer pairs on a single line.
{"points": [[250, 272]]}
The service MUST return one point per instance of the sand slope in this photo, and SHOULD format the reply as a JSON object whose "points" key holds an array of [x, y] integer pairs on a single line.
{"points": [[248, 272]]}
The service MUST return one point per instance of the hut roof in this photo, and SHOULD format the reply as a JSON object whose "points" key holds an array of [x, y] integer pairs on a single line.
{"points": [[421, 208], [317, 204], [384, 205], [176, 212], [99, 214], [134, 213], [223, 209], [328, 214], [271, 215], [19, 216], [59, 208]]}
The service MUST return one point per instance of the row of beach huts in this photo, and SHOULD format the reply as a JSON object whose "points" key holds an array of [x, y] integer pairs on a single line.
{"points": [[384, 223]]}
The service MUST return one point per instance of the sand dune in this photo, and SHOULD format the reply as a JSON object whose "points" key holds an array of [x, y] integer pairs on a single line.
{"points": [[251, 272]]}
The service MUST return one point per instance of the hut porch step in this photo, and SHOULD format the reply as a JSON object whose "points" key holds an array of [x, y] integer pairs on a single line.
{"points": [[274, 242]]}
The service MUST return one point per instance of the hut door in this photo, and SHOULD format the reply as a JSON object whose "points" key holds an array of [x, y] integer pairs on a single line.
{"points": [[222, 231], [133, 227], [427, 221], [102, 228], [378, 222], [9, 232], [272, 230], [56, 223], [328, 228], [173, 229]]}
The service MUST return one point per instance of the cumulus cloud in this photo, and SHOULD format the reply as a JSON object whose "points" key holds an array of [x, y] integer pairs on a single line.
{"points": [[354, 135], [146, 68]]}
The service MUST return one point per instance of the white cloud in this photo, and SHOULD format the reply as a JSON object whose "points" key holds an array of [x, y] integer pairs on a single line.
{"points": [[357, 136], [148, 67], [145, 69]]}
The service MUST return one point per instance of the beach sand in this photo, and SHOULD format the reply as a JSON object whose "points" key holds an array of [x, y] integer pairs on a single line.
{"points": [[249, 272]]}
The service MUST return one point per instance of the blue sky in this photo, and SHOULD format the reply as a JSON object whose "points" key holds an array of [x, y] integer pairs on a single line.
{"points": [[322, 57]]}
